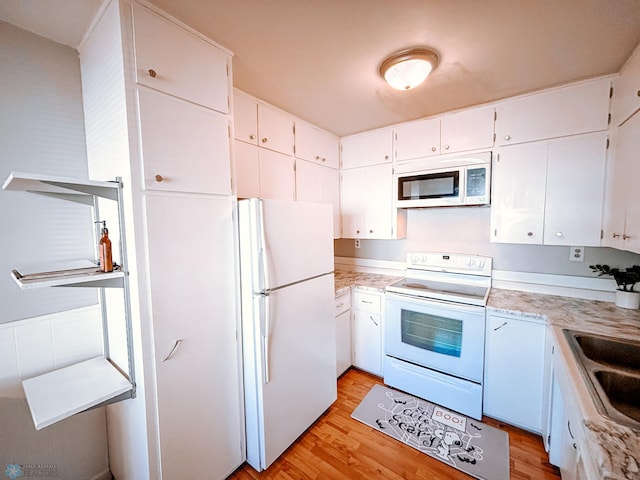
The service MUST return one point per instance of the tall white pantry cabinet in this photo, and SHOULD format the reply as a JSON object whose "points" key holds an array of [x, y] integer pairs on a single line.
{"points": [[157, 113]]}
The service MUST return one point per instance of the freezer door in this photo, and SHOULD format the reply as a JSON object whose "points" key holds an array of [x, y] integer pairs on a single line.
{"points": [[295, 350], [292, 241]]}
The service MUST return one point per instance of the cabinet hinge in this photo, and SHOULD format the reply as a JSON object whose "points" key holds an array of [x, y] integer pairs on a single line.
{"points": [[601, 234], [553, 349], [497, 156], [227, 69], [609, 119], [610, 92], [495, 117], [607, 143], [494, 138], [229, 131], [548, 439]]}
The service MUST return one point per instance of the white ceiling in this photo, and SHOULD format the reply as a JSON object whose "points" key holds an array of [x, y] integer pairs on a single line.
{"points": [[318, 59]]}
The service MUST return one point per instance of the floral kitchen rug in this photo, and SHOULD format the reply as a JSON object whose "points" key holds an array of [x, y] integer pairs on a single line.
{"points": [[464, 443]]}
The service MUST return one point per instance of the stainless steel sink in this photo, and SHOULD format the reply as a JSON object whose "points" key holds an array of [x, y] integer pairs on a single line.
{"points": [[611, 368]]}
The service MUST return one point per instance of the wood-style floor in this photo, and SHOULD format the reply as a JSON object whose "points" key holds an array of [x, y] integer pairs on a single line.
{"points": [[339, 447]]}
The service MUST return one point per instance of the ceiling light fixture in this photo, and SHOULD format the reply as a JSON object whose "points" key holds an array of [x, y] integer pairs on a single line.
{"points": [[407, 69]]}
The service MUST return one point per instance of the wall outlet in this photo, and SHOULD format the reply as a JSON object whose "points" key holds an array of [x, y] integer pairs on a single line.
{"points": [[357, 243], [576, 254]]}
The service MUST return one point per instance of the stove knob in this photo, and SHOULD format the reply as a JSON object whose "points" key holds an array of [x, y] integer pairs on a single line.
{"points": [[471, 262], [424, 259], [415, 259], [481, 264]]}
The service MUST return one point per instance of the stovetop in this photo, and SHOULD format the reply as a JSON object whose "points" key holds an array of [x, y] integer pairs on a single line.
{"points": [[446, 277]]}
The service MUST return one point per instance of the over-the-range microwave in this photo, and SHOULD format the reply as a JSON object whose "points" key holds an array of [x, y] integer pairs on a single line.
{"points": [[444, 181]]}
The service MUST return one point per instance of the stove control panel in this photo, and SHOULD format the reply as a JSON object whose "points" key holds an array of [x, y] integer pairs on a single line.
{"points": [[449, 262]]}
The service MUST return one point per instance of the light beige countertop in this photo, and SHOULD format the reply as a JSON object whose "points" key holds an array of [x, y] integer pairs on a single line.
{"points": [[346, 279], [614, 448]]}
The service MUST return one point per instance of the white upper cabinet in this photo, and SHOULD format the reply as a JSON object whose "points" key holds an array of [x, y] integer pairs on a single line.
{"points": [[550, 192], [370, 148], [470, 129], [185, 147], [560, 112], [161, 63], [317, 183], [277, 175], [317, 145], [417, 139], [626, 90], [245, 118], [247, 170], [518, 192], [275, 129], [575, 190], [366, 203], [261, 124], [622, 216]]}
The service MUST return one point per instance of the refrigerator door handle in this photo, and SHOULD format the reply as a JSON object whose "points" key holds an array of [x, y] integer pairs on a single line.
{"points": [[266, 334]]}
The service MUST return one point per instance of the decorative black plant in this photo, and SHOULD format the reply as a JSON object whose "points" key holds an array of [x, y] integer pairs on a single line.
{"points": [[626, 278]]}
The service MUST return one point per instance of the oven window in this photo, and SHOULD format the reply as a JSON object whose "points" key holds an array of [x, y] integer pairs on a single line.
{"points": [[431, 332], [433, 185]]}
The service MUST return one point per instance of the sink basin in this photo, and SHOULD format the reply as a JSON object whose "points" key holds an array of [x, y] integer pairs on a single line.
{"points": [[611, 368], [622, 391], [618, 354]]}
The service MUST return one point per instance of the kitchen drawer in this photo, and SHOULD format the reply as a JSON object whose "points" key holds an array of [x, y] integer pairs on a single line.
{"points": [[343, 303], [367, 302]]}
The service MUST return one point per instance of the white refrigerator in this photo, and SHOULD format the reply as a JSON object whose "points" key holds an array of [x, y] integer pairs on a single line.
{"points": [[288, 326]]}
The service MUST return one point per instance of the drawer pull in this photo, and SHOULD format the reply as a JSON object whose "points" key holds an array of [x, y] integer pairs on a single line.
{"points": [[152, 73], [159, 178], [499, 327], [340, 305], [367, 301]]}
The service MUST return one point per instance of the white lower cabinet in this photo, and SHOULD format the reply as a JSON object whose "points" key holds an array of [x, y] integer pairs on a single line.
{"points": [[367, 330], [568, 448], [199, 399], [343, 333], [514, 370]]}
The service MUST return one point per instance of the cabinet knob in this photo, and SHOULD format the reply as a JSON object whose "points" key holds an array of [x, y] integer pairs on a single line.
{"points": [[529, 234], [317, 157], [152, 73], [507, 137], [264, 140], [446, 147], [357, 231], [159, 178], [638, 93], [616, 235], [370, 231], [324, 159], [433, 149], [252, 137], [386, 157], [625, 236]]}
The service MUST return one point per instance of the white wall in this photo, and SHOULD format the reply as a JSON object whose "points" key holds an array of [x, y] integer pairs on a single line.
{"points": [[42, 131]]}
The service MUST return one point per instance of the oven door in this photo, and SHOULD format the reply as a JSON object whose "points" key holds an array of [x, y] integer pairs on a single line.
{"points": [[447, 337]]}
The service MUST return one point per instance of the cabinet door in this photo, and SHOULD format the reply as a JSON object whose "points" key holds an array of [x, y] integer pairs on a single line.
{"points": [[170, 59], [379, 207], [575, 190], [629, 153], [367, 342], [352, 203], [467, 130], [371, 148], [277, 176], [514, 371], [185, 147], [315, 183], [317, 146], [245, 118], [343, 342], [194, 323], [557, 113], [417, 139], [626, 90], [275, 129], [247, 170], [518, 194]]}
